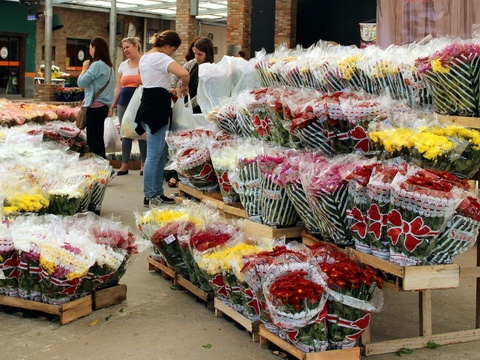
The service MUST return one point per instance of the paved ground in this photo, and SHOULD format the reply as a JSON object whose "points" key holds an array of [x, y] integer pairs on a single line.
{"points": [[161, 323]]}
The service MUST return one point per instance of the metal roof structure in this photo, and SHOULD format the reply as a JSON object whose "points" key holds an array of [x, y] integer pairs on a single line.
{"points": [[205, 10]]}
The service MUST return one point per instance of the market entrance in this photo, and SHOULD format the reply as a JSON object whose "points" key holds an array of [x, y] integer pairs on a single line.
{"points": [[11, 64]]}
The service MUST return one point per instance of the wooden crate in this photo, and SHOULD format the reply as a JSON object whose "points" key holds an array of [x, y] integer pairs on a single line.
{"points": [[74, 309], [253, 228], [180, 281], [344, 354], [109, 296], [222, 309]]}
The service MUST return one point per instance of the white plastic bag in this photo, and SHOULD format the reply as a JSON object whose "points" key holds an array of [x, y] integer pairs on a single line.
{"points": [[182, 115], [111, 137], [214, 84], [127, 130]]}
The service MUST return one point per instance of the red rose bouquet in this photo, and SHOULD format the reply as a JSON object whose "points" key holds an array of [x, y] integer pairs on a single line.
{"points": [[337, 123], [460, 234]]}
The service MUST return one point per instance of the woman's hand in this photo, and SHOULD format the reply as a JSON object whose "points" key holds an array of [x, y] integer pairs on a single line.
{"points": [[86, 65], [110, 112], [184, 89]]}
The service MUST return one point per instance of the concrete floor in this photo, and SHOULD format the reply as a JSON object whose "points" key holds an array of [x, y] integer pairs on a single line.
{"points": [[162, 323]]}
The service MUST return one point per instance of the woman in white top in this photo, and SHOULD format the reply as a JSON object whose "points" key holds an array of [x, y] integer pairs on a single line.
{"points": [[128, 79], [153, 116]]}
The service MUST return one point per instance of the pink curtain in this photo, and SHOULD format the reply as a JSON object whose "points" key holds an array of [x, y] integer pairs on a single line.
{"points": [[405, 21]]}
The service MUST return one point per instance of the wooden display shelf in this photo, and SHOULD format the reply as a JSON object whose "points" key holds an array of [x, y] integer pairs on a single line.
{"points": [[214, 199], [74, 309], [180, 281], [253, 228], [222, 309], [344, 354]]}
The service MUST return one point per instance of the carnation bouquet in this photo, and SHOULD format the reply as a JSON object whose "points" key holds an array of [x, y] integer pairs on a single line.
{"points": [[337, 123], [378, 197], [327, 193], [223, 155], [452, 76], [296, 295], [358, 205], [421, 204], [226, 118], [354, 293], [460, 233], [65, 195], [275, 205]]}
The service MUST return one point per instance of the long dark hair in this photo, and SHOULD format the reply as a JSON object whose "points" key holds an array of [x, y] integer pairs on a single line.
{"points": [[204, 44], [167, 37], [101, 50], [190, 55]]}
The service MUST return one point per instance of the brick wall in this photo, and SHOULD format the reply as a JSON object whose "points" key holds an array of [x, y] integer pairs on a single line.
{"points": [[239, 24], [286, 22], [186, 27]]}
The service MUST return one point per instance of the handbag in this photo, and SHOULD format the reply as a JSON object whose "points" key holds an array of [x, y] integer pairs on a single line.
{"points": [[81, 120]]}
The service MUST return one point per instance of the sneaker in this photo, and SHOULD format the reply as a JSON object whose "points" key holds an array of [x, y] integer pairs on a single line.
{"points": [[157, 200]]}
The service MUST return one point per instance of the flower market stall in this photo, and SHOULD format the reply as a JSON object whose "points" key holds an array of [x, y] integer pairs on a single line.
{"points": [[352, 143]]}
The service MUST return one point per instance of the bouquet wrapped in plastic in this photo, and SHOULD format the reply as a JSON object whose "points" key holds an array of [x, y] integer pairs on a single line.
{"points": [[327, 193], [9, 262], [460, 233], [354, 294], [296, 295], [378, 197], [275, 205], [224, 156], [421, 204]]}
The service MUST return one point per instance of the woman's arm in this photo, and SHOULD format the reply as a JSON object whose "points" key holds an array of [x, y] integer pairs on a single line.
{"points": [[182, 74], [116, 93]]}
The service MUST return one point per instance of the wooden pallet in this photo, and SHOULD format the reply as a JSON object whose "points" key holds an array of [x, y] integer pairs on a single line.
{"points": [[344, 354], [180, 281], [222, 309], [74, 309]]}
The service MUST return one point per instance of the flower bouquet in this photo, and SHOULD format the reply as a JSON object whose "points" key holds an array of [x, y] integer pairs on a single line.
{"points": [[393, 142], [465, 160], [225, 117], [28, 233], [358, 205], [245, 178], [224, 155], [452, 76], [9, 262], [378, 197], [64, 267], [337, 124], [195, 164], [67, 136], [354, 294], [275, 205], [421, 203], [309, 126], [254, 269], [296, 296], [460, 234], [327, 193], [66, 195]]}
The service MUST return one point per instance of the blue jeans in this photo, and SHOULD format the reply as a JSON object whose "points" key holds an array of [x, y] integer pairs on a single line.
{"points": [[155, 163]]}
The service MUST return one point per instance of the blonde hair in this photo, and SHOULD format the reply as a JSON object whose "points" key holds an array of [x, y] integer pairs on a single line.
{"points": [[167, 37], [135, 41]]}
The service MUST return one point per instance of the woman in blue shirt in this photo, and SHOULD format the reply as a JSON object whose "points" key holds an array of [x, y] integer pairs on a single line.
{"points": [[95, 74]]}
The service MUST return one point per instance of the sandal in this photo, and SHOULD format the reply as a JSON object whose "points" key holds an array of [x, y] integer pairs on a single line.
{"points": [[172, 182]]}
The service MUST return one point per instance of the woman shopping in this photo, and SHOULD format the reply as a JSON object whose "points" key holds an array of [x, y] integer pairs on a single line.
{"points": [[128, 79], [153, 116], [98, 80]]}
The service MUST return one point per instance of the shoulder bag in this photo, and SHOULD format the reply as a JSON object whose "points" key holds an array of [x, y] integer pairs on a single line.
{"points": [[81, 120]]}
